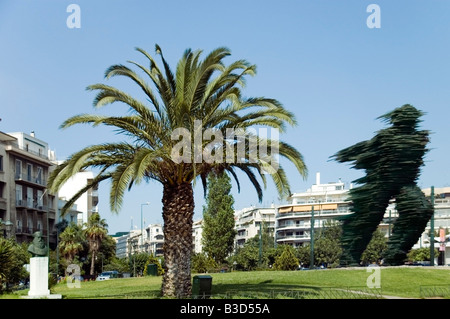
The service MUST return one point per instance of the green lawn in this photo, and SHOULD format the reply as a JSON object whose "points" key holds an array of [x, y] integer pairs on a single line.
{"points": [[395, 281]]}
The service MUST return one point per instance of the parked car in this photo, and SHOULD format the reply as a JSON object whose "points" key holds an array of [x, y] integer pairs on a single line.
{"points": [[106, 275]]}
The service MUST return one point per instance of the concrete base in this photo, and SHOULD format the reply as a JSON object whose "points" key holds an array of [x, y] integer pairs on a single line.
{"points": [[49, 296]]}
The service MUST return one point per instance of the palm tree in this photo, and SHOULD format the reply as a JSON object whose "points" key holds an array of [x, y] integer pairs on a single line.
{"points": [[202, 97], [70, 242], [96, 231]]}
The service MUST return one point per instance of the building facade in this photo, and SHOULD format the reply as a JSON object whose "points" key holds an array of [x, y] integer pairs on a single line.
{"points": [[320, 204], [250, 221], [25, 203], [441, 225], [87, 203]]}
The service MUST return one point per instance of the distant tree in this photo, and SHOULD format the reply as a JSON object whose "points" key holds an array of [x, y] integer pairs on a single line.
{"points": [[71, 242], [287, 260], [153, 260], [218, 218], [96, 231], [375, 249], [138, 262], [327, 249], [120, 264], [246, 258], [202, 263], [12, 258], [421, 254], [303, 254]]}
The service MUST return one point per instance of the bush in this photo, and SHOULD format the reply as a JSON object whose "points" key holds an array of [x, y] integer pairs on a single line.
{"points": [[287, 260], [200, 263], [13, 257], [153, 260], [421, 254]]}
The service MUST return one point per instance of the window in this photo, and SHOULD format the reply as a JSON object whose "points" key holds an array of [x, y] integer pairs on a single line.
{"points": [[40, 201], [29, 172], [29, 197], [30, 224], [18, 169], [1, 163], [39, 175], [19, 195]]}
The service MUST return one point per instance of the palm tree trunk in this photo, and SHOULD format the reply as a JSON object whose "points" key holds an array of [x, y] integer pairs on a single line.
{"points": [[92, 263], [178, 212]]}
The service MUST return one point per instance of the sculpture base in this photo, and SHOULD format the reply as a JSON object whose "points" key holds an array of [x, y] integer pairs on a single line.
{"points": [[49, 296], [38, 277]]}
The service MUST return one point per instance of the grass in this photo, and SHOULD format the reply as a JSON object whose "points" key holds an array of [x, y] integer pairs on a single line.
{"points": [[395, 281]]}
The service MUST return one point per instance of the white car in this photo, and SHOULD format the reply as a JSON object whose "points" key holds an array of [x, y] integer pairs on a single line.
{"points": [[106, 275]]}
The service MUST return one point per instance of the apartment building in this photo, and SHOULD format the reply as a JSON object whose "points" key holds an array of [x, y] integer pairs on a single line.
{"points": [[154, 239], [250, 221], [87, 203], [441, 225], [319, 205], [26, 206], [151, 241]]}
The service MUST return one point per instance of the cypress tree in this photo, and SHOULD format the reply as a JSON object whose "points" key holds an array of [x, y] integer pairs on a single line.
{"points": [[218, 218]]}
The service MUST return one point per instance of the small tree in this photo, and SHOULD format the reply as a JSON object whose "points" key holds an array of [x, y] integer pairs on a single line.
{"points": [[246, 258], [421, 254], [375, 249], [287, 260], [12, 258], [138, 262], [96, 230], [327, 249], [153, 260], [303, 253], [201, 263]]}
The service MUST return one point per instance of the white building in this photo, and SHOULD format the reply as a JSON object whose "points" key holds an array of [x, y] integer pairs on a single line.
{"points": [[326, 201], [197, 231], [249, 222], [132, 242], [154, 239], [87, 203], [441, 225]]}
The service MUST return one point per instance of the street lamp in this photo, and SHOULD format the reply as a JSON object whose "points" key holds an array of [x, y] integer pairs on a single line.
{"points": [[311, 260], [142, 225]]}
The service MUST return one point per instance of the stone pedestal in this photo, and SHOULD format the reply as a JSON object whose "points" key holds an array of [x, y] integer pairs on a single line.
{"points": [[39, 277]]}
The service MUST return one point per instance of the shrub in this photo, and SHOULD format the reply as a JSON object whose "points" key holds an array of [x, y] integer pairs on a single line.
{"points": [[287, 260]]}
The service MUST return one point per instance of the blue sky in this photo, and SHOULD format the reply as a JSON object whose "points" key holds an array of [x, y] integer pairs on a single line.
{"points": [[318, 58]]}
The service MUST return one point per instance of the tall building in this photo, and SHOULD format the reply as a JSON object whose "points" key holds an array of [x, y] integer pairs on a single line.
{"points": [[25, 203], [321, 203], [87, 203], [441, 225], [154, 239], [249, 222]]}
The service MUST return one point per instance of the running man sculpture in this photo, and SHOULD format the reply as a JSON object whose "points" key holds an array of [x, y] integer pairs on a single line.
{"points": [[392, 161]]}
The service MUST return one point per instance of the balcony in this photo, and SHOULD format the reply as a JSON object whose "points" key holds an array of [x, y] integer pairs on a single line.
{"points": [[304, 237], [29, 231], [30, 204], [30, 180]]}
